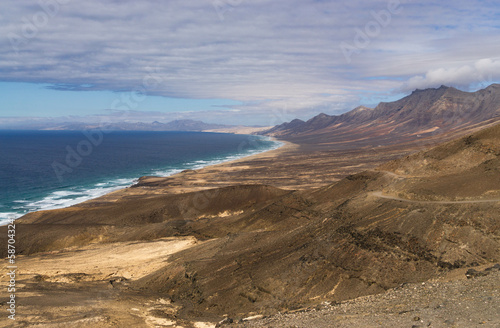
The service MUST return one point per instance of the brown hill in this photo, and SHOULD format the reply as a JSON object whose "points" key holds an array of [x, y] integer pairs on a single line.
{"points": [[424, 113], [264, 249], [367, 233]]}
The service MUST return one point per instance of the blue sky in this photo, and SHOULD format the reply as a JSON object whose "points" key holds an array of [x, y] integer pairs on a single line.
{"points": [[236, 61], [36, 99]]}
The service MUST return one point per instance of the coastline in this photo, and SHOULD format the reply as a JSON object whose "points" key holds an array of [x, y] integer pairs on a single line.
{"points": [[191, 180], [94, 193]]}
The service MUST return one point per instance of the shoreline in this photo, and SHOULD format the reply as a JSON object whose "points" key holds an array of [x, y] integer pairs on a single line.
{"points": [[119, 188], [154, 185]]}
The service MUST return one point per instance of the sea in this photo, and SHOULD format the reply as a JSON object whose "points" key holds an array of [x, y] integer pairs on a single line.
{"points": [[43, 170]]}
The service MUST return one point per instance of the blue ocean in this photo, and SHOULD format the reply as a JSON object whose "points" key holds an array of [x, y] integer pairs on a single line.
{"points": [[41, 170]]}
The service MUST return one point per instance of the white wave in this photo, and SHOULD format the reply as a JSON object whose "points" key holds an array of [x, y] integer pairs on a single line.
{"points": [[6, 217], [21, 201], [166, 172], [65, 198], [122, 181]]}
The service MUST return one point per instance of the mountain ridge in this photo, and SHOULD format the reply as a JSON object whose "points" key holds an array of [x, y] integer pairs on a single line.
{"points": [[176, 125], [428, 111]]}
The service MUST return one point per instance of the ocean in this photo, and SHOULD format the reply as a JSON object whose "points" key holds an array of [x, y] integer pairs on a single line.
{"points": [[42, 170]]}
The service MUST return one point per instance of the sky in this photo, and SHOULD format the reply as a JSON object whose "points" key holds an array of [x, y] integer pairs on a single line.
{"points": [[258, 62]]}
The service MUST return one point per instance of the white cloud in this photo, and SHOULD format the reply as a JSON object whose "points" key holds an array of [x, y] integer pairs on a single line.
{"points": [[480, 73]]}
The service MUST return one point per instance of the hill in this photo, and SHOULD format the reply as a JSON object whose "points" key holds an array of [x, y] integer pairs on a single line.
{"points": [[424, 113], [365, 234]]}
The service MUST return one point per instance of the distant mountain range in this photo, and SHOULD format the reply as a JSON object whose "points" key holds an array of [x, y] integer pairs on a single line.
{"points": [[423, 113], [177, 125]]}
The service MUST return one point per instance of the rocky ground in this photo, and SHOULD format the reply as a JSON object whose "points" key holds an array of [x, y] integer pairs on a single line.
{"points": [[448, 301]]}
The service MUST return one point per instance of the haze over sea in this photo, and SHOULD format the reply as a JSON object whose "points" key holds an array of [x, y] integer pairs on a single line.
{"points": [[41, 170]]}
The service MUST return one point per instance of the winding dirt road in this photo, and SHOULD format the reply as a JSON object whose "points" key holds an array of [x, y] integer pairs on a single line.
{"points": [[380, 194]]}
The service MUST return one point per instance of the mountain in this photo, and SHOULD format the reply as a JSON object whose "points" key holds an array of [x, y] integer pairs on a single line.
{"points": [[423, 113], [191, 125], [177, 125]]}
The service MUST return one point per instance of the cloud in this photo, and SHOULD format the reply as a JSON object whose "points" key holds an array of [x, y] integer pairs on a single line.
{"points": [[266, 54], [480, 73]]}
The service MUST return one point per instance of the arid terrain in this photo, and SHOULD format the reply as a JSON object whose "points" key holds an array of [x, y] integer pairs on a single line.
{"points": [[308, 227], [450, 300]]}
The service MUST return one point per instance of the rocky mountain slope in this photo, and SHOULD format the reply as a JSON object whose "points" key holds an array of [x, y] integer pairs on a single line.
{"points": [[421, 114], [365, 234], [444, 302]]}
